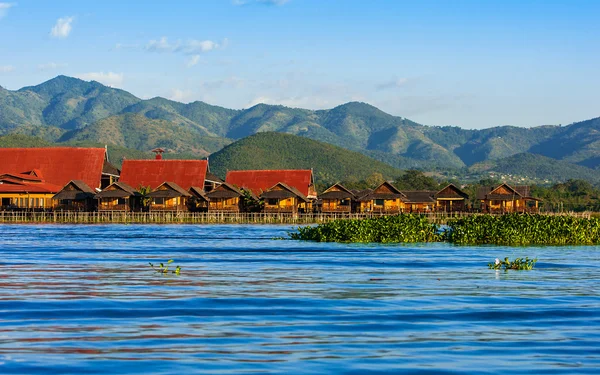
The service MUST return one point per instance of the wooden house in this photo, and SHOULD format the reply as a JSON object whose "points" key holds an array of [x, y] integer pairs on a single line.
{"points": [[385, 198], [336, 199], [260, 181], [198, 202], [75, 196], [26, 191], [32, 176], [451, 199], [282, 198], [419, 201], [211, 182], [119, 196], [504, 198], [169, 196], [225, 197]]}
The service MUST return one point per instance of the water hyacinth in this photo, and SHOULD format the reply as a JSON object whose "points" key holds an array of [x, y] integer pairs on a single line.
{"points": [[386, 229], [518, 264], [523, 230]]}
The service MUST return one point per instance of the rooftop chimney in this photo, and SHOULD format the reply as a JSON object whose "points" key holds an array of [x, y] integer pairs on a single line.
{"points": [[158, 151]]}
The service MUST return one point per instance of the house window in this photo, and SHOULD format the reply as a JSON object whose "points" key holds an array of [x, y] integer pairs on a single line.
{"points": [[272, 202], [159, 201], [345, 202], [121, 201], [379, 202]]}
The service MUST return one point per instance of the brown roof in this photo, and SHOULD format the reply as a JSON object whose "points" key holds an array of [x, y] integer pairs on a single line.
{"points": [[117, 190], [75, 190], [173, 190], [282, 194], [518, 192], [443, 193], [198, 193], [213, 177], [419, 196], [342, 193], [393, 193], [224, 190], [109, 168]]}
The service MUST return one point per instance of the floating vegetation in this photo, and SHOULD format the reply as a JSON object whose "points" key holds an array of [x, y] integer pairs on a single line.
{"points": [[518, 264], [523, 230], [399, 228], [508, 229], [162, 269]]}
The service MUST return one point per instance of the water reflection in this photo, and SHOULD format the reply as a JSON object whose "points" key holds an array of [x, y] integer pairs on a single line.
{"points": [[83, 299]]}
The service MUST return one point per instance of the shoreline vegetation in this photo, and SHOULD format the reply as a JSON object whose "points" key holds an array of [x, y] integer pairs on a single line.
{"points": [[507, 230]]}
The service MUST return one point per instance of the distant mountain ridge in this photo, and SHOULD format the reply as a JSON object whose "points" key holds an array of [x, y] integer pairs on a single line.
{"points": [[67, 109]]}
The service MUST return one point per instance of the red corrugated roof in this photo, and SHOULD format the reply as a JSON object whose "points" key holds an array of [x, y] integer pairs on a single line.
{"points": [[24, 187], [261, 180], [185, 173], [59, 165]]}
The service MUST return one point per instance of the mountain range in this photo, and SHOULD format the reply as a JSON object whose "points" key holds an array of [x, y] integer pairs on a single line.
{"points": [[67, 110]]}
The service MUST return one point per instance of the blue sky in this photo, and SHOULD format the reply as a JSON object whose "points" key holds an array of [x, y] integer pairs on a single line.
{"points": [[474, 64]]}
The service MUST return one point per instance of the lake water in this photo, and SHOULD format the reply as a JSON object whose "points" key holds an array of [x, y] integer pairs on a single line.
{"points": [[83, 300]]}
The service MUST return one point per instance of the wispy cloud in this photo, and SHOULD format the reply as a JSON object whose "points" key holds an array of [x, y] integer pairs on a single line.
{"points": [[63, 27], [6, 68], [392, 84], [108, 78], [51, 66], [178, 95], [193, 61], [189, 47], [264, 2], [4, 7]]}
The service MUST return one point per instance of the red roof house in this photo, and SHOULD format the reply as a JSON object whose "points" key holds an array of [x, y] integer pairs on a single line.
{"points": [[259, 181], [154, 172], [55, 165]]}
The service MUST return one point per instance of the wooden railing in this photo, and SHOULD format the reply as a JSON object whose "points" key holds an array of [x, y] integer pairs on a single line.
{"points": [[208, 217]]}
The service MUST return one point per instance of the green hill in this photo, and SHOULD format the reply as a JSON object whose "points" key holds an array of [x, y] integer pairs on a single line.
{"points": [[537, 167], [67, 109], [141, 133], [272, 150]]}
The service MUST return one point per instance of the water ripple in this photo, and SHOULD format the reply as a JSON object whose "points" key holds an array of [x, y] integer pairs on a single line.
{"points": [[83, 299]]}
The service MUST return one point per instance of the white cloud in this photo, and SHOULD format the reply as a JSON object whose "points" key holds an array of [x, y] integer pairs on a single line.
{"points": [[63, 27], [4, 7], [193, 61], [108, 79], [189, 47], [6, 68], [184, 96], [51, 66]]}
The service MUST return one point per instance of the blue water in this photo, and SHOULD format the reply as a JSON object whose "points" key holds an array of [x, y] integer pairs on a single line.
{"points": [[83, 300]]}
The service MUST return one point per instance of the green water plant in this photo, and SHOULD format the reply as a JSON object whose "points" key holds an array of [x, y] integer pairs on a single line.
{"points": [[387, 229], [518, 264], [164, 269], [523, 230]]}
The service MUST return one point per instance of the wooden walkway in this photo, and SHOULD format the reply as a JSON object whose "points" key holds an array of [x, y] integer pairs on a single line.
{"points": [[169, 217]]}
